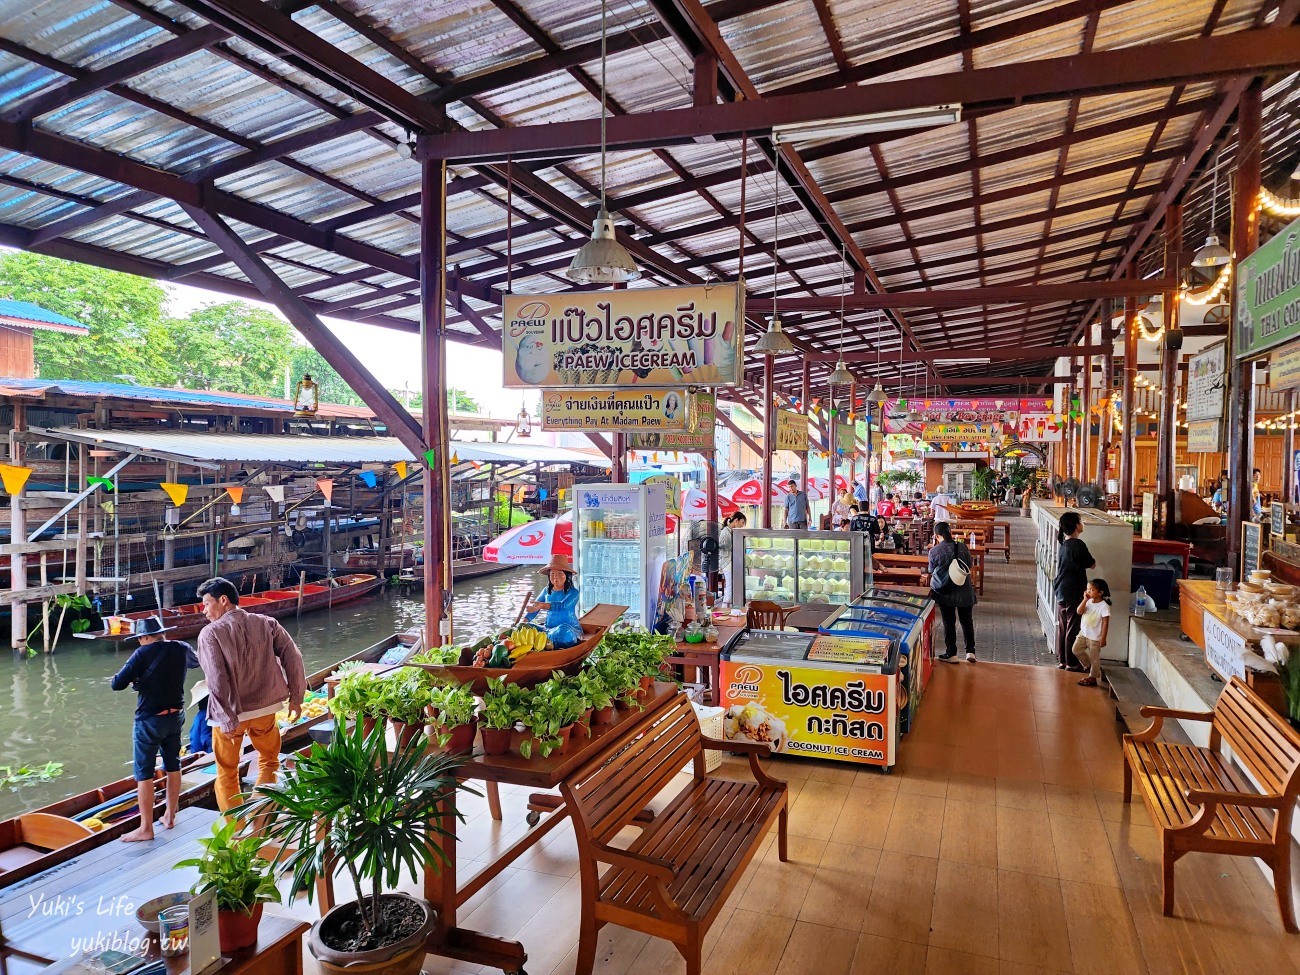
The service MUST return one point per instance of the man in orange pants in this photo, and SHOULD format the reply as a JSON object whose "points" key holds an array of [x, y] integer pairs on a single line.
{"points": [[252, 667]]}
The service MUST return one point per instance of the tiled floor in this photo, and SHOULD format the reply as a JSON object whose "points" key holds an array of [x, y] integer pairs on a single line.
{"points": [[999, 845], [1006, 621]]}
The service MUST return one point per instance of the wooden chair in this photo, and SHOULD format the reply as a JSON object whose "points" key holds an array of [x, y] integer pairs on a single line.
{"points": [[1199, 801], [763, 615]]}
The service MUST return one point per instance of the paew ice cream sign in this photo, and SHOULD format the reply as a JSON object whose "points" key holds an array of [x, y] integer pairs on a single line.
{"points": [[656, 337]]}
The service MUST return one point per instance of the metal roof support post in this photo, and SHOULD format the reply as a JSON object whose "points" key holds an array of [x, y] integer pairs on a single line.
{"points": [[1241, 374], [1128, 435], [1105, 427], [1167, 429], [433, 347], [803, 408], [769, 438]]}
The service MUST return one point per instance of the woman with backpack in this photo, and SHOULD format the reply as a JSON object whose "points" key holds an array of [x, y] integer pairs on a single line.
{"points": [[1073, 561], [952, 588]]}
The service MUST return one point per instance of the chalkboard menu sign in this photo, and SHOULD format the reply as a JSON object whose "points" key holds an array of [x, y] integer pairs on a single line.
{"points": [[1277, 519], [1252, 534]]}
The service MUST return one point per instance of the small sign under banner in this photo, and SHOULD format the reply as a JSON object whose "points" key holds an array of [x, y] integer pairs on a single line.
{"points": [[1284, 367], [791, 430], [694, 440], [1223, 648], [957, 431], [614, 409], [1205, 436], [1040, 428], [1252, 538], [1148, 516], [656, 337]]}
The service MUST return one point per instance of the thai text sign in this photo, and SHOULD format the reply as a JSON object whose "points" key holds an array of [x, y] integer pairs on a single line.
{"points": [[1223, 648], [1205, 382], [1205, 436], [791, 430], [1284, 367], [839, 714], [956, 431], [698, 439], [614, 409], [639, 337], [1267, 305]]}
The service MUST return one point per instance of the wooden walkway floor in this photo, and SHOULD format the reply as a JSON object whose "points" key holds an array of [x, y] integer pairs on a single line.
{"points": [[1000, 846]]}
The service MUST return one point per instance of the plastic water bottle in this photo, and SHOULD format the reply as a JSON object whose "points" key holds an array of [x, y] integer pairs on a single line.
{"points": [[1140, 600]]}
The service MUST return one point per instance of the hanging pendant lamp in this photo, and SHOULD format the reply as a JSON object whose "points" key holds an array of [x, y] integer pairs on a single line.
{"points": [[1212, 253], [877, 396], [841, 375], [602, 260], [774, 340]]}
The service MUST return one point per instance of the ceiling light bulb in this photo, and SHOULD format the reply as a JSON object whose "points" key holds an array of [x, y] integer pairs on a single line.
{"points": [[774, 340], [841, 376], [602, 260], [1211, 254]]}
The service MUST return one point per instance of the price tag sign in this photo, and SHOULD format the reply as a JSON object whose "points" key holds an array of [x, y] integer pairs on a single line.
{"points": [[205, 943]]}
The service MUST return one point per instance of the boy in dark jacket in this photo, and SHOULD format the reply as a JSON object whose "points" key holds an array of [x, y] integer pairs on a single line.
{"points": [[157, 672]]}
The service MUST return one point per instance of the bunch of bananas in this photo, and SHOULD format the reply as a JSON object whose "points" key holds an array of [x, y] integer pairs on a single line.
{"points": [[525, 640]]}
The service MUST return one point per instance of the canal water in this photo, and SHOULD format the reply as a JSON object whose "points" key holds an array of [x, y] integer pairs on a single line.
{"points": [[59, 707]]}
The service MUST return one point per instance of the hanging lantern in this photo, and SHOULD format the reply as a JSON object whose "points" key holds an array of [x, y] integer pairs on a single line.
{"points": [[523, 424], [306, 402]]}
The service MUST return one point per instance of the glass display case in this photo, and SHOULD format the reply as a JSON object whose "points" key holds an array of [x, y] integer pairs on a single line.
{"points": [[797, 566]]}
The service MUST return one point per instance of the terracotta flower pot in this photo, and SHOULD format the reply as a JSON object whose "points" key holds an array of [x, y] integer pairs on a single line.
{"points": [[405, 732], [460, 737], [647, 682], [517, 739], [236, 930], [566, 735], [368, 724], [404, 957], [582, 727], [496, 741], [604, 716]]}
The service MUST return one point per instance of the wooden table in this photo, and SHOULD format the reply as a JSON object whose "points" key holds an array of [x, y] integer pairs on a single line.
{"points": [[706, 658], [442, 887]]}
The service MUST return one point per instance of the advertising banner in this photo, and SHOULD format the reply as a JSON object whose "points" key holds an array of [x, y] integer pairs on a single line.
{"points": [[957, 431], [797, 710], [672, 490], [614, 409], [846, 438], [699, 439], [1284, 367], [1206, 372], [1205, 436], [1267, 302], [1040, 428], [655, 337], [985, 411], [791, 430]]}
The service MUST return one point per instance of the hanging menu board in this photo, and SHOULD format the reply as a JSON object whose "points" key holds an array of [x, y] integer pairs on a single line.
{"points": [[1206, 375], [1277, 519], [1252, 536], [791, 430]]}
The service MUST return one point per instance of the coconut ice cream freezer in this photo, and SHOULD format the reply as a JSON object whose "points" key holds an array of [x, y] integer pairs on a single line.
{"points": [[820, 695]]}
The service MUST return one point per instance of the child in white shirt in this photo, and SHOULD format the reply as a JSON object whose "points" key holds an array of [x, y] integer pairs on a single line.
{"points": [[1094, 614]]}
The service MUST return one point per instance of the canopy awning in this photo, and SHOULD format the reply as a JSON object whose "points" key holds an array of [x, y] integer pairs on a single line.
{"points": [[189, 446]]}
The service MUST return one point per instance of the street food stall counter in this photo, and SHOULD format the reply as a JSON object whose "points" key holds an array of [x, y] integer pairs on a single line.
{"points": [[797, 566]]}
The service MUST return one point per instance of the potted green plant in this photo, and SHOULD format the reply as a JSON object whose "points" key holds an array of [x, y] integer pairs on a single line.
{"points": [[556, 708], [232, 866], [599, 702], [403, 699], [454, 712], [357, 698], [379, 815], [504, 705], [619, 677]]}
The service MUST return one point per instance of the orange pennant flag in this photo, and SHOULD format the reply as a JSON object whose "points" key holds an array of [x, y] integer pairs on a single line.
{"points": [[236, 494], [177, 492], [400, 467], [326, 487], [14, 477]]}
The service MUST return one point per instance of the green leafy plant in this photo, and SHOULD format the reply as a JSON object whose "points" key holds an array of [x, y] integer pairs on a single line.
{"points": [[380, 813], [403, 697], [30, 773], [504, 704], [443, 656], [346, 667], [592, 691], [556, 704], [454, 703], [358, 695], [983, 481], [233, 866], [1019, 474]]}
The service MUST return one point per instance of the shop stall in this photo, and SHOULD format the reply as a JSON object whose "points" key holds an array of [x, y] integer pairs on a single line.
{"points": [[845, 693], [621, 546], [798, 566]]}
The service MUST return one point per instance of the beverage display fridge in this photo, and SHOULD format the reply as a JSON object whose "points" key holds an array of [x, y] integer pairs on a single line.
{"points": [[797, 566], [620, 546]]}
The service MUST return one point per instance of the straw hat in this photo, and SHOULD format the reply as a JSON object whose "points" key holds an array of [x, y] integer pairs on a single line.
{"points": [[560, 562], [198, 692]]}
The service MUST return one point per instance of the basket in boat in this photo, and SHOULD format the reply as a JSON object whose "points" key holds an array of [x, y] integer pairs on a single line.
{"points": [[533, 668]]}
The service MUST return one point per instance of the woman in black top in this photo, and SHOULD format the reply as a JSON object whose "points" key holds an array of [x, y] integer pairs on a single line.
{"points": [[955, 602], [1072, 564]]}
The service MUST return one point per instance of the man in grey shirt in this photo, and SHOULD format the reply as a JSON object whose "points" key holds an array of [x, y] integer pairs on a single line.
{"points": [[796, 506]]}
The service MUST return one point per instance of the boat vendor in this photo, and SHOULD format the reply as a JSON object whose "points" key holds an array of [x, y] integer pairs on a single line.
{"points": [[560, 600], [157, 672]]}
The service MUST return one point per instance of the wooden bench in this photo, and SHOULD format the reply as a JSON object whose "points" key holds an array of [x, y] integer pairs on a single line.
{"points": [[674, 878], [1199, 801], [986, 532]]}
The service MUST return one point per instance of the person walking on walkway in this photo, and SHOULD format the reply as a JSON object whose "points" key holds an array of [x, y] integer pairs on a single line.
{"points": [[796, 506], [1094, 628], [956, 600], [1073, 561], [157, 672], [252, 667]]}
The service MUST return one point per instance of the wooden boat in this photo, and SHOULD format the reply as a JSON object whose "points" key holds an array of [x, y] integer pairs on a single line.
{"points": [[974, 509], [476, 566], [187, 620], [533, 668], [35, 841]]}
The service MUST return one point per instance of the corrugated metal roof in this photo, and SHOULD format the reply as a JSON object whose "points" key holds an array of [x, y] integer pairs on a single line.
{"points": [[25, 313], [252, 448], [81, 388]]}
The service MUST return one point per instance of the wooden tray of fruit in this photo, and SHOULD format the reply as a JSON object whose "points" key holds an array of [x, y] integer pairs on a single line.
{"points": [[530, 664]]}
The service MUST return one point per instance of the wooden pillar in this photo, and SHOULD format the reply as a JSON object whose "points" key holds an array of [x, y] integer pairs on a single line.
{"points": [[1128, 435], [1084, 469], [711, 505], [832, 454], [1171, 343], [168, 589], [1288, 450], [803, 408], [433, 342], [1071, 430], [18, 529], [1105, 430], [769, 436], [618, 460], [853, 422]]}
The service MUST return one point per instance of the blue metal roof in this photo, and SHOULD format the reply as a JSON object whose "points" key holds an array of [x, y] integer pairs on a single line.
{"points": [[158, 394], [28, 312]]}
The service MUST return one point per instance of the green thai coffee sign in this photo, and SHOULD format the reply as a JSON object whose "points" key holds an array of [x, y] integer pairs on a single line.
{"points": [[1268, 294]]}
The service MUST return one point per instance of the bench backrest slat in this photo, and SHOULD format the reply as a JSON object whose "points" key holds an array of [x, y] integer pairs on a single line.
{"points": [[606, 793], [1259, 738]]}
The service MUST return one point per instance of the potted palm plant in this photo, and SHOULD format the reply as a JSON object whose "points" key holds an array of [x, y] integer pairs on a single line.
{"points": [[232, 866], [379, 815]]}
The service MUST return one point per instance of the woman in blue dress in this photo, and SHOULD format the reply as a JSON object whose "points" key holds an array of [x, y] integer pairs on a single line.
{"points": [[560, 600]]}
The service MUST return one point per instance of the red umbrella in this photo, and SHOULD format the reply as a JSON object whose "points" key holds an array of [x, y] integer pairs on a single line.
{"points": [[747, 492], [533, 543], [695, 505]]}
